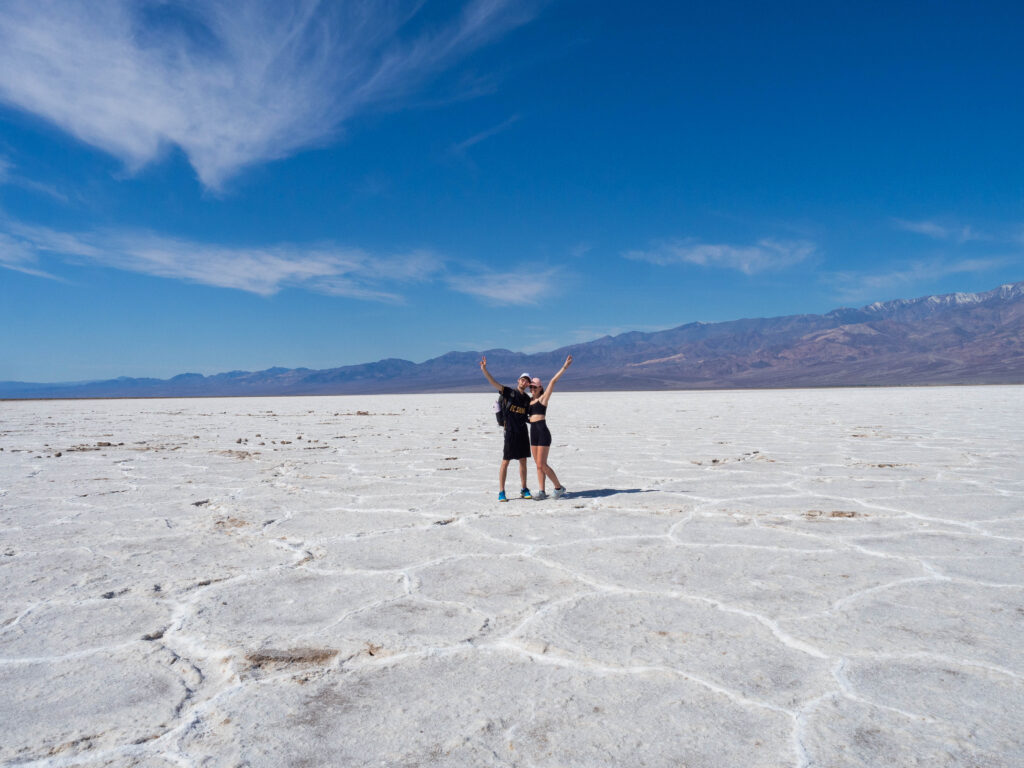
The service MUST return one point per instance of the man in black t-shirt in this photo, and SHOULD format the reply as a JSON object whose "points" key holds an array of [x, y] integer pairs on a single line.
{"points": [[517, 434]]}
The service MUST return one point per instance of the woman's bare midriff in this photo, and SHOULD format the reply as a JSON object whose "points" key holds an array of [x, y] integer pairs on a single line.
{"points": [[535, 418]]}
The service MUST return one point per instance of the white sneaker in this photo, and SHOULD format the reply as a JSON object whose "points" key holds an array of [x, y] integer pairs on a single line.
{"points": [[559, 492], [540, 495]]}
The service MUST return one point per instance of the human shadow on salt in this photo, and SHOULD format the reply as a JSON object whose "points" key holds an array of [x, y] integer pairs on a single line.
{"points": [[600, 493]]}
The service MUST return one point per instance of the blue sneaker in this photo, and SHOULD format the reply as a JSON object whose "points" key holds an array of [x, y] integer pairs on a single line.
{"points": [[502, 496], [525, 494]]}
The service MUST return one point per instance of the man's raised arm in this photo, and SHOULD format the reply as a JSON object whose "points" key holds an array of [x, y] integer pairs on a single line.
{"points": [[494, 383]]}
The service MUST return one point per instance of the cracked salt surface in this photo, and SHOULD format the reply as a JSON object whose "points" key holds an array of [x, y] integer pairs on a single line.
{"points": [[786, 578]]}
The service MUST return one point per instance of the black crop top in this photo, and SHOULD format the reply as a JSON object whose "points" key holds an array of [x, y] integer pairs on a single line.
{"points": [[537, 409]]}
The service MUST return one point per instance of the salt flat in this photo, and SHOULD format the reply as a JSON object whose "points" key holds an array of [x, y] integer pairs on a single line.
{"points": [[780, 578]]}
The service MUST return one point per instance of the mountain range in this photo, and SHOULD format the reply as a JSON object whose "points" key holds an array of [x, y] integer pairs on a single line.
{"points": [[959, 338]]}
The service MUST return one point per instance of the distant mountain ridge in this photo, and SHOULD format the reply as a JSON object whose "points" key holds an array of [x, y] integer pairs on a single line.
{"points": [[957, 338]]}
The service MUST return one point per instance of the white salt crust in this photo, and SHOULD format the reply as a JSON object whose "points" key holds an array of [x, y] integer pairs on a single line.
{"points": [[786, 578]]}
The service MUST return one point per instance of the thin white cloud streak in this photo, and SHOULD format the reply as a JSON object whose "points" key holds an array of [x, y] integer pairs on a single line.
{"points": [[265, 270], [852, 287], [19, 256], [325, 268], [584, 335], [765, 255], [938, 231], [8, 177], [520, 288], [462, 146], [545, 345], [580, 250], [231, 83]]}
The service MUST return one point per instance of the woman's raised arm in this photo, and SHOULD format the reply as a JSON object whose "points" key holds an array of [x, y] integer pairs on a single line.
{"points": [[551, 384]]}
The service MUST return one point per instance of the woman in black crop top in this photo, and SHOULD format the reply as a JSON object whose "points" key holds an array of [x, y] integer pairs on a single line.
{"points": [[540, 436]]}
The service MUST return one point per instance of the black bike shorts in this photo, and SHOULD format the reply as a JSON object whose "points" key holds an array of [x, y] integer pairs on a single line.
{"points": [[539, 433]]}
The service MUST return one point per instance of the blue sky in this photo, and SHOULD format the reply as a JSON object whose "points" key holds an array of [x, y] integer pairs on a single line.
{"points": [[212, 186]]}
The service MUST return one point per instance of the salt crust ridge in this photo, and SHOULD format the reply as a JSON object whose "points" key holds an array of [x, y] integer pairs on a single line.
{"points": [[799, 578]]}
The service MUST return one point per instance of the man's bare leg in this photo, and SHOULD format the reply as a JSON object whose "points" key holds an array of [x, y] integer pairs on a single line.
{"points": [[502, 474]]}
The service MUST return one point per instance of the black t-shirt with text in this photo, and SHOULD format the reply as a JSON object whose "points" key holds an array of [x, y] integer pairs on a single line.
{"points": [[515, 407]]}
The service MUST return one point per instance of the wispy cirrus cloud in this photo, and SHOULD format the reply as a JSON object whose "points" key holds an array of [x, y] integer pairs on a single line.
{"points": [[580, 250], [19, 256], [462, 146], [852, 286], [324, 267], [547, 343], [518, 288], [939, 231], [8, 176], [231, 83], [765, 255]]}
